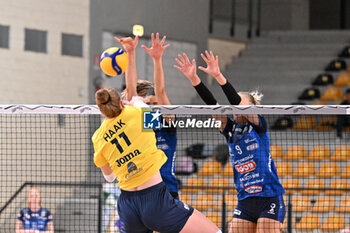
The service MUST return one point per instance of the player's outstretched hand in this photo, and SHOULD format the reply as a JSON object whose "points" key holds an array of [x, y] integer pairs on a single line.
{"points": [[212, 64], [187, 68], [128, 43], [158, 47]]}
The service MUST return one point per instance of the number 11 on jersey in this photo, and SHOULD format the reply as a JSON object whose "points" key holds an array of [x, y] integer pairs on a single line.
{"points": [[117, 144]]}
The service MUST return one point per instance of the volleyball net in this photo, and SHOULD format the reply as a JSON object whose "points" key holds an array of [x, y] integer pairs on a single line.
{"points": [[49, 147]]}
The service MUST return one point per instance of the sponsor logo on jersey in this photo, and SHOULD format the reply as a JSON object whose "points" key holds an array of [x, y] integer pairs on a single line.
{"points": [[127, 157], [237, 212], [254, 182], [131, 167], [249, 176], [272, 209], [270, 161], [250, 140], [162, 147], [186, 207], [246, 167], [253, 189], [252, 147], [160, 139], [173, 164], [243, 159]]}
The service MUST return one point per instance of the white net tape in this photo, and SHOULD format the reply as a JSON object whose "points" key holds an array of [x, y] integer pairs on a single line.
{"points": [[186, 109]]}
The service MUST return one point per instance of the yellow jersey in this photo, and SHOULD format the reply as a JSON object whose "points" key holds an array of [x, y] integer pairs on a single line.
{"points": [[129, 150]]}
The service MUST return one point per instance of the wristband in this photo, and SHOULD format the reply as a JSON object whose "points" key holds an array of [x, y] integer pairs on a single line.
{"points": [[231, 93], [205, 94]]}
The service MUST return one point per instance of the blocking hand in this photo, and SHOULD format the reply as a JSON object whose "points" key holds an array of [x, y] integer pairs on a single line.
{"points": [[128, 43], [187, 68], [157, 49], [212, 64]]}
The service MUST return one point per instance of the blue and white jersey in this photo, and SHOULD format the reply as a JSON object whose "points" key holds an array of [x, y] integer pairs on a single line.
{"points": [[35, 220], [254, 171], [166, 141]]}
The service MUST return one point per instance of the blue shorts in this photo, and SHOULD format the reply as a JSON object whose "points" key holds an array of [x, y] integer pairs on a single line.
{"points": [[152, 209], [253, 208]]}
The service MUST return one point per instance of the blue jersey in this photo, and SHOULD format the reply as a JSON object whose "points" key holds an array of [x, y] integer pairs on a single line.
{"points": [[35, 220], [255, 172], [166, 141]]}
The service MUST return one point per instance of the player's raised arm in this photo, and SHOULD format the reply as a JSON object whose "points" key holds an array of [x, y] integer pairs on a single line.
{"points": [[213, 69], [190, 71], [233, 97], [129, 46], [156, 52]]}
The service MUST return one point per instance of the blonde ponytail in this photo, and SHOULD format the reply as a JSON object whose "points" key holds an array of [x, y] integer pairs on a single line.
{"points": [[255, 97]]}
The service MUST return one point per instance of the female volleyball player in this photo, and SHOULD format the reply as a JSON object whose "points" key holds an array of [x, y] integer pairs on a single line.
{"points": [[34, 218], [166, 137], [260, 204], [124, 150]]}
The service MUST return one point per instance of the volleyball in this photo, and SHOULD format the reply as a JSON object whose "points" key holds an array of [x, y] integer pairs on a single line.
{"points": [[114, 61]]}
